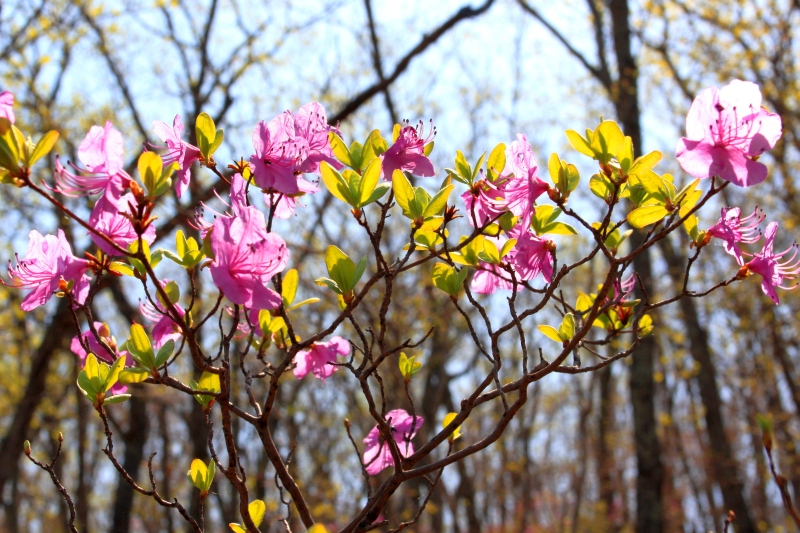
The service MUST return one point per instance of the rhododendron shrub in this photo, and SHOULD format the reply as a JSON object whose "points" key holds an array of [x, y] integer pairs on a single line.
{"points": [[487, 234]]}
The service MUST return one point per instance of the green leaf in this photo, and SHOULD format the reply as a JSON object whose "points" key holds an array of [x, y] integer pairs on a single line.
{"points": [[368, 182], [164, 353], [43, 147], [607, 141], [289, 286], [113, 374], [307, 301], [360, 268], [463, 168], [645, 325], [341, 268], [120, 268], [403, 192], [218, 137], [490, 253], [579, 143], [646, 215], [378, 193], [567, 328], [150, 166], [447, 278], [409, 366], [601, 186], [438, 203], [357, 155], [497, 161], [335, 183], [133, 375], [449, 417], [140, 348], [202, 475], [339, 149], [117, 398], [206, 132], [550, 332], [507, 247], [374, 146], [208, 382]]}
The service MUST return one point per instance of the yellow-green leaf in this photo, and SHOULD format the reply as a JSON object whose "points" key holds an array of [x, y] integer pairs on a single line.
{"points": [[403, 192], [579, 143], [43, 147], [369, 181], [550, 332], [339, 149], [335, 183], [449, 417], [289, 286], [646, 215]]}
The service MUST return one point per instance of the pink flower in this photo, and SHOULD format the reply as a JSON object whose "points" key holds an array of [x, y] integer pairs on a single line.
{"points": [[525, 187], [178, 151], [245, 259], [278, 152], [377, 455], [727, 130], [165, 329], [285, 204], [765, 263], [484, 202], [101, 153], [531, 256], [110, 217], [408, 152], [100, 351], [318, 358], [7, 106], [732, 230], [311, 124], [49, 260], [489, 278]]}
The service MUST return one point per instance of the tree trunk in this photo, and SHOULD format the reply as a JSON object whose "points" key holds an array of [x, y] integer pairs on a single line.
{"points": [[135, 439]]}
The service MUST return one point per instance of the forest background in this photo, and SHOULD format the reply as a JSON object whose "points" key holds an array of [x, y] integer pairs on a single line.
{"points": [[666, 441]]}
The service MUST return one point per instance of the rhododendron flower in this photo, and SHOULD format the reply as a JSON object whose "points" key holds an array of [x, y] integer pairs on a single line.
{"points": [[110, 217], [489, 277], [311, 124], [178, 151], [48, 260], [485, 201], [733, 230], [101, 153], [165, 329], [727, 130], [318, 358], [773, 272], [532, 255], [525, 187], [278, 152], [377, 455], [245, 258], [285, 204], [100, 351], [7, 106], [408, 153]]}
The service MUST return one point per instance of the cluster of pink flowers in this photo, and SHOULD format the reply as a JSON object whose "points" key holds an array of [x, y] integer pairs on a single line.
{"points": [[286, 147], [515, 192], [407, 153], [377, 454]]}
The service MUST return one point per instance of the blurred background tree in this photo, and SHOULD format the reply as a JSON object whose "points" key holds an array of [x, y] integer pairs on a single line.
{"points": [[667, 442]]}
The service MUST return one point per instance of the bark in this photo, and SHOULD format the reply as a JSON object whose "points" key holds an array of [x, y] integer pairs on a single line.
{"points": [[605, 450]]}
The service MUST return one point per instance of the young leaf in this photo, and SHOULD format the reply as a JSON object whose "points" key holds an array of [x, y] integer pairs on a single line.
{"points": [[403, 192], [43, 147], [206, 132], [449, 417], [335, 183], [550, 332], [289, 286], [497, 161], [368, 182], [339, 149], [646, 215], [437, 203], [133, 375]]}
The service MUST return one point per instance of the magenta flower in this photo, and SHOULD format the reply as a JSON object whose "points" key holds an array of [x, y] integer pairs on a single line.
{"points": [[48, 260], [484, 202], [101, 153], [525, 187], [311, 124], [488, 278], [7, 106], [100, 351], [284, 204], [110, 217], [377, 455], [727, 130], [319, 357], [732, 230], [278, 152], [408, 152], [245, 259], [178, 151], [165, 329], [766, 264], [531, 256]]}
